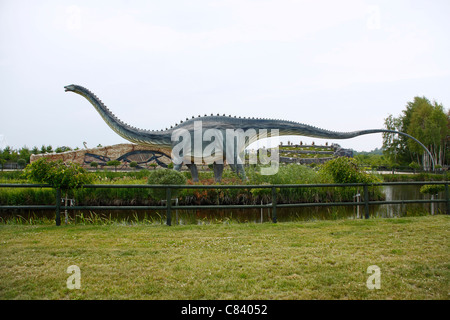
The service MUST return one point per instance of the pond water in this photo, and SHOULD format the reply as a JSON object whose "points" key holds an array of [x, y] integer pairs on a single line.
{"points": [[207, 216], [400, 192]]}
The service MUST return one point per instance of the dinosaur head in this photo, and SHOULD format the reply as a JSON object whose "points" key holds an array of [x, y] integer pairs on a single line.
{"points": [[70, 87]]}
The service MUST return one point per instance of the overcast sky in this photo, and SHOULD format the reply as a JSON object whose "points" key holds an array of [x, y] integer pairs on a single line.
{"points": [[339, 65]]}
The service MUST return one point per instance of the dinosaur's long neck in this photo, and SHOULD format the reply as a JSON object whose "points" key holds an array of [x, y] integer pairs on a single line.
{"points": [[132, 134]]}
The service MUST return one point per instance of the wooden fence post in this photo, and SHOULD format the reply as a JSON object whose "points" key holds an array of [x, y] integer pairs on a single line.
{"points": [[169, 206], [58, 207], [366, 200], [274, 205], [448, 198]]}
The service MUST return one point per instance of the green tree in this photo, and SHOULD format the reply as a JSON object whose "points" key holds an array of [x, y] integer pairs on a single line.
{"points": [[133, 164], [21, 163], [429, 125], [25, 154], [62, 149], [113, 163], [394, 145], [415, 166], [60, 175], [372, 159], [425, 121], [447, 139], [7, 153]]}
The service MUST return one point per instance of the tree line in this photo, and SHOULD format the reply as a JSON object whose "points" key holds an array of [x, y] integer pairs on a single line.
{"points": [[428, 122], [22, 156]]}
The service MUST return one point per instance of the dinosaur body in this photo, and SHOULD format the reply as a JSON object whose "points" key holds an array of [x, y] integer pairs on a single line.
{"points": [[222, 125]]}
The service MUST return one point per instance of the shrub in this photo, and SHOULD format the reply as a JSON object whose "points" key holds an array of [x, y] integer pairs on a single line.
{"points": [[346, 170], [58, 174], [93, 164], [133, 164], [165, 177], [114, 163], [432, 188], [414, 165]]}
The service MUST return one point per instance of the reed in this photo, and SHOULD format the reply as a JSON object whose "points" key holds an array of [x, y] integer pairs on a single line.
{"points": [[31, 219], [24, 196], [288, 174]]}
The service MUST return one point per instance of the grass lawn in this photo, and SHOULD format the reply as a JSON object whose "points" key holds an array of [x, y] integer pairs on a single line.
{"points": [[298, 260]]}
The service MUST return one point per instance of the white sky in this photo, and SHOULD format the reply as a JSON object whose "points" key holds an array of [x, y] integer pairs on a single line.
{"points": [[340, 65]]}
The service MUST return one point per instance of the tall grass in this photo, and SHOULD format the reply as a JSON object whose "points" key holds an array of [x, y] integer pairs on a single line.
{"points": [[12, 177], [31, 219], [24, 196], [287, 174]]}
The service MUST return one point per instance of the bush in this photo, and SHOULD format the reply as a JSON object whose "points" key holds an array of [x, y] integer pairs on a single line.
{"points": [[287, 174], [21, 163], [114, 163], [58, 174], [432, 188], [93, 164], [414, 165], [346, 170], [165, 177], [133, 164]]}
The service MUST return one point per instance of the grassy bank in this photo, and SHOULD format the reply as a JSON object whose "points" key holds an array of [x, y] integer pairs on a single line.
{"points": [[309, 260]]}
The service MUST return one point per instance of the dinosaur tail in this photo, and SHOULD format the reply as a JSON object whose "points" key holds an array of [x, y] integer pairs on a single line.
{"points": [[294, 128], [132, 134], [321, 133], [363, 132], [287, 128]]}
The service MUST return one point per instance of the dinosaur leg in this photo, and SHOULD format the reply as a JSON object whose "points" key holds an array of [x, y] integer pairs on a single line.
{"points": [[240, 171], [194, 171], [233, 168], [218, 169], [239, 167], [177, 167]]}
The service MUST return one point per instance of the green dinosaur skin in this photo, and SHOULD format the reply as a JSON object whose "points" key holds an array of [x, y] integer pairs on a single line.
{"points": [[163, 138]]}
